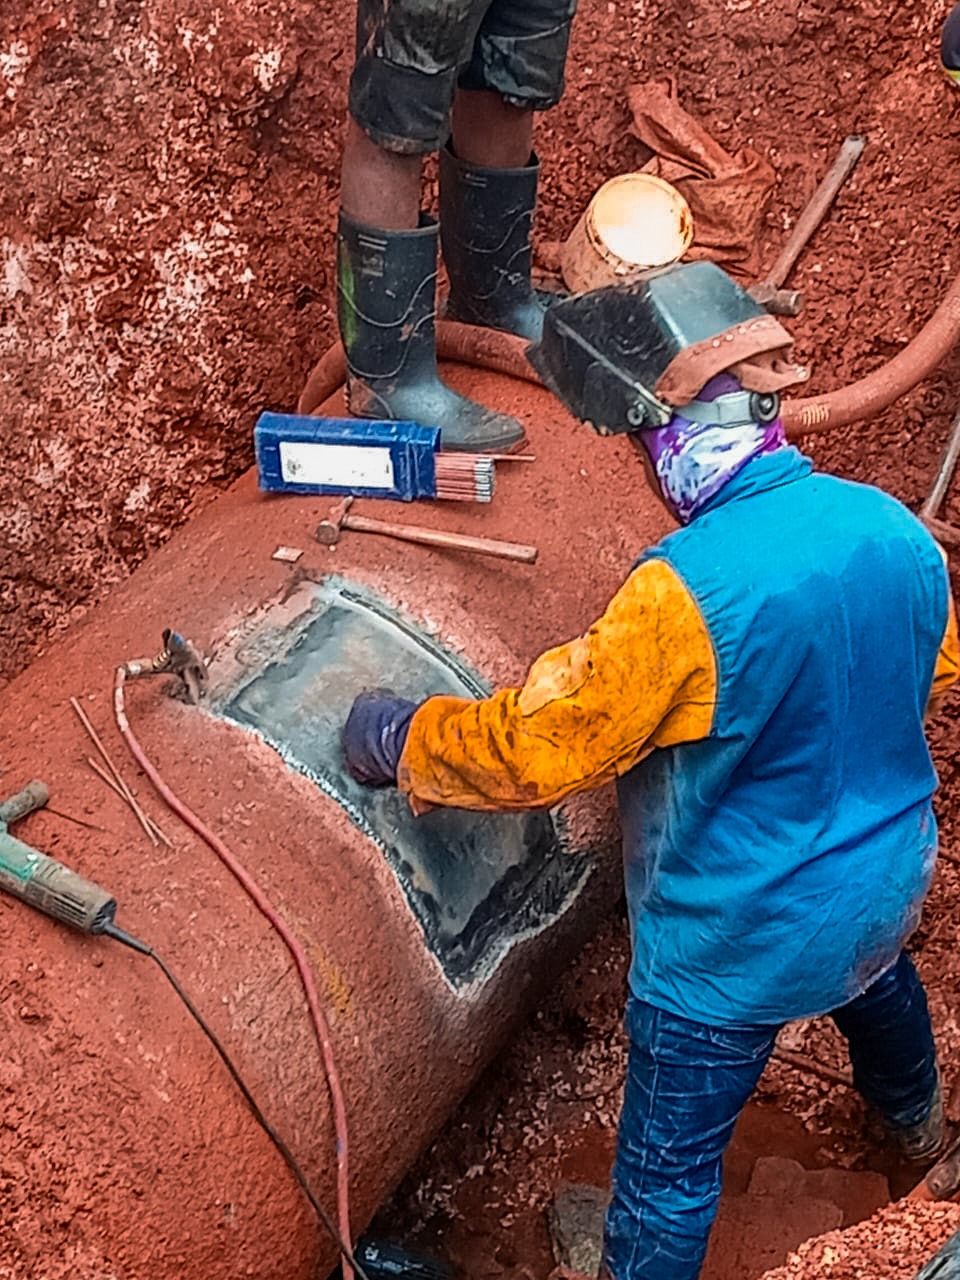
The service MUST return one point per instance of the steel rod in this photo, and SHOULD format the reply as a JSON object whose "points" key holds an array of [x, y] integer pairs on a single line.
{"points": [[800, 1062], [948, 465], [105, 756], [816, 210]]}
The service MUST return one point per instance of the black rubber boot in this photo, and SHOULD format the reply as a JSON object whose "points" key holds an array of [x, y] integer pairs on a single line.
{"points": [[386, 302], [486, 223], [923, 1143]]}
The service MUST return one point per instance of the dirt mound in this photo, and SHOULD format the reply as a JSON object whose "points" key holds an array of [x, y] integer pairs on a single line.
{"points": [[166, 231], [890, 1247]]}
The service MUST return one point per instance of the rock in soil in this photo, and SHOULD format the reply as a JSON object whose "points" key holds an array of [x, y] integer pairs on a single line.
{"points": [[576, 1227]]}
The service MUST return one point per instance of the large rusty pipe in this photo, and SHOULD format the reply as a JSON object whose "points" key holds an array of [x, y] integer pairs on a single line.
{"points": [[428, 937], [505, 353]]}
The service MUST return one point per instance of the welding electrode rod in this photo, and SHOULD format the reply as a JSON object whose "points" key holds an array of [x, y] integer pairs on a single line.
{"points": [[816, 210], [464, 477], [124, 790], [448, 541]]}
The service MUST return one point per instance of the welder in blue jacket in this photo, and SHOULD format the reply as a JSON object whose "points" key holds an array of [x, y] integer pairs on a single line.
{"points": [[758, 690]]}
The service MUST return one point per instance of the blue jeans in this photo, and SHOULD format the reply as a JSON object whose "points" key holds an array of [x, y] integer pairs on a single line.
{"points": [[687, 1084]]}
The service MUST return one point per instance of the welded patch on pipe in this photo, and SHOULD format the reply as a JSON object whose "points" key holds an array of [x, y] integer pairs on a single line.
{"points": [[475, 882]]}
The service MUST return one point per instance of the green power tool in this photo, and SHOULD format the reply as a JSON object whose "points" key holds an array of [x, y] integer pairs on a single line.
{"points": [[48, 885]]}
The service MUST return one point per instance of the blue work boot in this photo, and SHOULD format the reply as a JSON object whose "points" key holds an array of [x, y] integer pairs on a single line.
{"points": [[486, 225], [386, 306]]}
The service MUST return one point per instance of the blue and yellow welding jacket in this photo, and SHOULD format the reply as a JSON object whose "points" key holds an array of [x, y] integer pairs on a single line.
{"points": [[757, 689]]}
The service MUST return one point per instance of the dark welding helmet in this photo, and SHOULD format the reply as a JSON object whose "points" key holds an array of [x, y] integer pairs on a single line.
{"points": [[625, 357]]}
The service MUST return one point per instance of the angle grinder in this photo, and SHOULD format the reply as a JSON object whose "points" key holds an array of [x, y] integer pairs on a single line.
{"points": [[48, 885]]}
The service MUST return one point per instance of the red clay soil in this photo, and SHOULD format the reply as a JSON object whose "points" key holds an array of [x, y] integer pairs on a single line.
{"points": [[167, 244], [167, 231], [891, 1247]]}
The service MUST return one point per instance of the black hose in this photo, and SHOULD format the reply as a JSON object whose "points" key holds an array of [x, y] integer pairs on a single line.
{"points": [[112, 931]]}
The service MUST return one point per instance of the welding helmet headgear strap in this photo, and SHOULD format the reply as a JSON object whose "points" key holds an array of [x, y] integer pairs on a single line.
{"points": [[736, 409]]}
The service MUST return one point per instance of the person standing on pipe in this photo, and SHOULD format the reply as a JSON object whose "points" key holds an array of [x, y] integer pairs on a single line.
{"points": [[494, 62], [757, 689]]}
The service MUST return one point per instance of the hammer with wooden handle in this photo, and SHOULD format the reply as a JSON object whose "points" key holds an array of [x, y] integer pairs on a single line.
{"points": [[328, 533]]}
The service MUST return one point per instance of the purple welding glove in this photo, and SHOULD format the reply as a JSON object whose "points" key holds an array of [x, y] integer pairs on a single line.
{"points": [[375, 735]]}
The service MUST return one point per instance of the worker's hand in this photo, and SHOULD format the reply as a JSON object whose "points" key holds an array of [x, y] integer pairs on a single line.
{"points": [[375, 735]]}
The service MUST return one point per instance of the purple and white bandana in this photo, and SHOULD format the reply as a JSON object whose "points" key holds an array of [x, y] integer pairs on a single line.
{"points": [[693, 460]]}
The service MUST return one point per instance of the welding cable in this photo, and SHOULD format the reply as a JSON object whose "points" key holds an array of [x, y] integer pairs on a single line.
{"points": [[120, 935], [291, 942]]}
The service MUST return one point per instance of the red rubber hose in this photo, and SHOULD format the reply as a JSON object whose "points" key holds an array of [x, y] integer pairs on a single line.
{"points": [[290, 941], [503, 352], [461, 343], [872, 394]]}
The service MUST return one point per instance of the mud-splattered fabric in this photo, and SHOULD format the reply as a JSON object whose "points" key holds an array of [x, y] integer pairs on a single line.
{"points": [[643, 676], [693, 461], [758, 690], [687, 1084], [413, 54], [752, 858]]}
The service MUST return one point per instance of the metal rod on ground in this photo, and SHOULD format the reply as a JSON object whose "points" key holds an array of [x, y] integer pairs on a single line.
{"points": [[816, 210], [948, 465], [801, 1062], [779, 302], [102, 774], [127, 793]]}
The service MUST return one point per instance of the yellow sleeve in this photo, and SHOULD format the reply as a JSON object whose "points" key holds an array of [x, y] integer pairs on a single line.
{"points": [[643, 676], [948, 660]]}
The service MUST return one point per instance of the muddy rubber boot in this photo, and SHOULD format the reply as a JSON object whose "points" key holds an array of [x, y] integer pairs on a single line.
{"points": [[386, 304], [486, 223], [922, 1143]]}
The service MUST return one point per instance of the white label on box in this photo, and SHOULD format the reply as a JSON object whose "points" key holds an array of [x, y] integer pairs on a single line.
{"points": [[346, 466]]}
